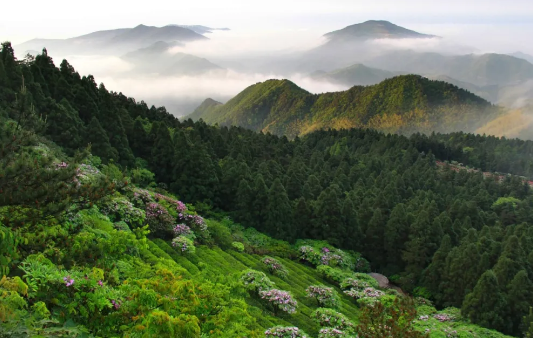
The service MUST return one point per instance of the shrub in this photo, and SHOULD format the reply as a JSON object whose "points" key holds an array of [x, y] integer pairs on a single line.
{"points": [[159, 219], [275, 267], [285, 332], [333, 274], [118, 209], [359, 281], [238, 246], [333, 319], [280, 300], [143, 178], [256, 281], [184, 244], [330, 332], [325, 297]]}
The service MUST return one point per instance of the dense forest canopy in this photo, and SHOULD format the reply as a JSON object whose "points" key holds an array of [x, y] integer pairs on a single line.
{"points": [[361, 191]]}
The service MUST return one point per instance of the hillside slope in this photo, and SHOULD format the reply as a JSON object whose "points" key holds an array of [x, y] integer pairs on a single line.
{"points": [[355, 75], [373, 29], [402, 104]]}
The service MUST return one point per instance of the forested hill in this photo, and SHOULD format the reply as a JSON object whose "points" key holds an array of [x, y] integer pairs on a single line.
{"points": [[113, 244], [403, 104]]}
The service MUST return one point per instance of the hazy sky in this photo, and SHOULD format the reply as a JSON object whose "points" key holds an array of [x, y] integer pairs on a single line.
{"points": [[489, 22]]}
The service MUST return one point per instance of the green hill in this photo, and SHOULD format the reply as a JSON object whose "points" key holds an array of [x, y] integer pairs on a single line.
{"points": [[402, 104]]}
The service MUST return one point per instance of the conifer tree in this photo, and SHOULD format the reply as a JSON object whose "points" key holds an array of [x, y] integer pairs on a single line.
{"points": [[519, 292], [278, 221], [329, 224], [486, 304], [100, 146]]}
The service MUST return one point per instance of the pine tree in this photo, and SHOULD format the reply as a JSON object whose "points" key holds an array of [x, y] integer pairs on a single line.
{"points": [[519, 293], [432, 276], [395, 237], [100, 146], [486, 304], [302, 218], [163, 154], [329, 224], [278, 221], [245, 196], [351, 223], [375, 237], [64, 126], [259, 201]]}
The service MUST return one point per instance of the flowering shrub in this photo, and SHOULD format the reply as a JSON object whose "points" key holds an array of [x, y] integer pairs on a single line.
{"points": [[280, 300], [275, 267], [443, 317], [352, 283], [325, 297], [327, 256], [330, 332], [182, 230], [365, 293], [197, 223], [256, 281], [120, 209], [359, 281], [238, 246], [158, 218], [142, 197], [184, 244], [333, 319], [285, 332]]}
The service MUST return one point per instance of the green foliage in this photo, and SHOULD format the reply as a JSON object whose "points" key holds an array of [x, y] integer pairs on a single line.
{"points": [[238, 246]]}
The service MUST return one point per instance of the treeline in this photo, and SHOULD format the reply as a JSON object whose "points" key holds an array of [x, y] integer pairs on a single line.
{"points": [[453, 237]]}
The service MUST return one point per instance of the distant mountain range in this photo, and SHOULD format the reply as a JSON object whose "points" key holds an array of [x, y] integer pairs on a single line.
{"points": [[373, 29], [480, 70], [116, 41], [357, 74], [159, 59], [403, 104], [201, 29]]}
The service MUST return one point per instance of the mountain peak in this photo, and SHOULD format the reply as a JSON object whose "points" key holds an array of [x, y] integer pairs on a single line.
{"points": [[373, 29]]}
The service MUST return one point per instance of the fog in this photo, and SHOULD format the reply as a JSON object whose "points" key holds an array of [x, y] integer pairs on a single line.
{"points": [[246, 57]]}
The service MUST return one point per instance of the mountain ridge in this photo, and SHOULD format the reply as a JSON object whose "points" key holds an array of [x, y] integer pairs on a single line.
{"points": [[403, 104]]}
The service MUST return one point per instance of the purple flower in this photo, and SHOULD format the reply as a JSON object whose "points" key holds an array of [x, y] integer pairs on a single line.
{"points": [[100, 283], [68, 281]]}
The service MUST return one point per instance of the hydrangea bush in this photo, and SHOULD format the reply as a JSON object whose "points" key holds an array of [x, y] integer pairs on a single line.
{"points": [[275, 267], [325, 296], [120, 209], [285, 332], [280, 300]]}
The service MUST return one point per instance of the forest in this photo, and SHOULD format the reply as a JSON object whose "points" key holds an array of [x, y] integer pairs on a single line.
{"points": [[118, 219]]}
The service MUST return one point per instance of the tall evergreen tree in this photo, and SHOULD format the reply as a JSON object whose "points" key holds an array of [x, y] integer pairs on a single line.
{"points": [[278, 221], [100, 146], [486, 304]]}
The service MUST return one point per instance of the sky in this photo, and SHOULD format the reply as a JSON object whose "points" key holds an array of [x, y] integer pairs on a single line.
{"points": [[493, 24]]}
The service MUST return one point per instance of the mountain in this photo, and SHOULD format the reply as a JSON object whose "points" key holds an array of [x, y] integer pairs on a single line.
{"points": [[110, 41], [357, 74], [515, 124], [158, 58], [201, 29], [480, 70], [373, 29], [403, 104], [520, 55]]}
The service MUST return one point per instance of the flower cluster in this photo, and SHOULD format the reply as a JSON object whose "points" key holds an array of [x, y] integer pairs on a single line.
{"points": [[182, 230], [333, 319], [116, 304], [330, 332], [325, 296], [280, 299], [256, 281], [180, 206], [61, 165], [141, 197], [451, 333], [443, 317], [68, 281], [365, 293], [285, 332], [275, 267], [329, 258], [184, 244], [423, 318], [194, 220], [158, 217]]}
